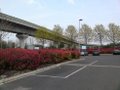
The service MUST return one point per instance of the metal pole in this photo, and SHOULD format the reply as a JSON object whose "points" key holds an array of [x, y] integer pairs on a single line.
{"points": [[79, 26], [79, 33], [79, 23]]}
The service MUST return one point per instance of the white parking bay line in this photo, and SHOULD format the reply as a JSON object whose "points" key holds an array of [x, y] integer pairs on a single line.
{"points": [[51, 76], [105, 66], [81, 69], [76, 71], [76, 65], [92, 63]]}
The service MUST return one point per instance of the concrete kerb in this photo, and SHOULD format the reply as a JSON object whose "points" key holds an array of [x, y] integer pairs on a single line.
{"points": [[13, 78]]}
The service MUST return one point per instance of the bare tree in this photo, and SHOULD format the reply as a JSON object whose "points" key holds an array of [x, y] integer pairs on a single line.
{"points": [[41, 36], [113, 33], [58, 29], [41, 41], [3, 34], [71, 33], [86, 33], [99, 33]]}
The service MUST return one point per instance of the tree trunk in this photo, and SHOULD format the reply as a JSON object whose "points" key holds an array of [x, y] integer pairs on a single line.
{"points": [[43, 42]]}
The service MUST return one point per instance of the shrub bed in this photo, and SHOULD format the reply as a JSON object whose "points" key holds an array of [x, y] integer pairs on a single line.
{"points": [[102, 50], [22, 59]]}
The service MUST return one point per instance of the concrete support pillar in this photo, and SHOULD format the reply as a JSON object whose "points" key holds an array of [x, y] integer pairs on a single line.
{"points": [[22, 38]]}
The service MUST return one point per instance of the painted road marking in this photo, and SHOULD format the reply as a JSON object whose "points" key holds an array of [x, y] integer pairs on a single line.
{"points": [[80, 69], [76, 64], [105, 66], [92, 63], [76, 71], [51, 76]]}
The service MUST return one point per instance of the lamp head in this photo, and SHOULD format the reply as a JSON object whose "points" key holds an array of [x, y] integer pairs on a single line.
{"points": [[80, 19]]}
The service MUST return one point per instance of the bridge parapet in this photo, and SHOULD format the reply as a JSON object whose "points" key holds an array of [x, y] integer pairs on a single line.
{"points": [[17, 21], [15, 25]]}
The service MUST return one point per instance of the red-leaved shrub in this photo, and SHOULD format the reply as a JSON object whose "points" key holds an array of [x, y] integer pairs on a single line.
{"points": [[20, 59]]}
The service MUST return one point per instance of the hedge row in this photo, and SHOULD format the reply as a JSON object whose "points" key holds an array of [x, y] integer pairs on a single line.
{"points": [[102, 50], [20, 59]]}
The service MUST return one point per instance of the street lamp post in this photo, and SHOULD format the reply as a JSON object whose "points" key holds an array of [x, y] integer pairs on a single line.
{"points": [[79, 24], [79, 31]]}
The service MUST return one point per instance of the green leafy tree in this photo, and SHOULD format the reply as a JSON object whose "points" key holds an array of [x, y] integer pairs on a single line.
{"points": [[42, 34], [58, 32], [45, 34]]}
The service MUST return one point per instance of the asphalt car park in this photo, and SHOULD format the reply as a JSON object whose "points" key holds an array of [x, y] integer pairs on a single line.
{"points": [[92, 73]]}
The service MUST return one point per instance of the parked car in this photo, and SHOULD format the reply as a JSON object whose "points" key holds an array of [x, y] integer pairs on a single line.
{"points": [[84, 53], [96, 53], [116, 52]]}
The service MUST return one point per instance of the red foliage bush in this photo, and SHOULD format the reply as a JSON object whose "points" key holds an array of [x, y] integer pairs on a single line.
{"points": [[20, 59], [57, 55], [102, 50]]}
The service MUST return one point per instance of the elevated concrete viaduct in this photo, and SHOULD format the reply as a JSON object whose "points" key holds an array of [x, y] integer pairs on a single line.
{"points": [[21, 27]]}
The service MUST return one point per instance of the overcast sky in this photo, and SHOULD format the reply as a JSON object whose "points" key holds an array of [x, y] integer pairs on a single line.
{"points": [[64, 12]]}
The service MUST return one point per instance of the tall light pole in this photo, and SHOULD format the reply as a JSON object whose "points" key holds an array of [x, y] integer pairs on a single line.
{"points": [[79, 23], [79, 32]]}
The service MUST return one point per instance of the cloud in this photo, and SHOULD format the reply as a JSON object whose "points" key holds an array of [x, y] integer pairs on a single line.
{"points": [[71, 2]]}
